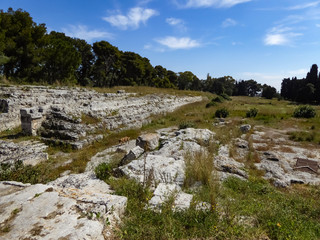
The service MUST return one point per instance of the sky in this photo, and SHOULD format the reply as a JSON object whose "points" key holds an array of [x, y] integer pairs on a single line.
{"points": [[264, 40]]}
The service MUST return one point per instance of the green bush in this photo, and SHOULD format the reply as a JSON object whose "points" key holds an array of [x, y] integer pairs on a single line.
{"points": [[103, 171], [186, 124], [222, 113], [226, 97], [217, 99], [252, 113], [211, 104], [304, 112]]}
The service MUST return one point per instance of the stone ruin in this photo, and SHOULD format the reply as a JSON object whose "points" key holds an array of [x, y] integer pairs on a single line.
{"points": [[31, 119]]}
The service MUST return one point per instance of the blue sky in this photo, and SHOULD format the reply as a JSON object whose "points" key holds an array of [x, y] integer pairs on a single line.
{"points": [[264, 40]]}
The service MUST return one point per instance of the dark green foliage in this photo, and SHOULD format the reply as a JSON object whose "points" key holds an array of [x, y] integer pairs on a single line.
{"points": [[252, 113], [306, 90], [103, 171], [217, 99], [222, 113], [247, 88], [304, 112], [211, 104], [269, 92], [225, 96]]}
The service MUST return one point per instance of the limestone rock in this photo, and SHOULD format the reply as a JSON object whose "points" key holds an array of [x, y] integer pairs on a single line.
{"points": [[245, 128], [163, 193], [116, 110], [72, 207], [156, 169], [134, 153], [192, 134], [148, 142], [28, 152], [227, 166]]}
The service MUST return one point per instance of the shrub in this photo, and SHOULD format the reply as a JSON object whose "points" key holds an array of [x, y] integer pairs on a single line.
{"points": [[186, 124], [103, 171], [252, 113], [226, 97], [211, 104], [222, 113], [217, 99], [304, 112]]}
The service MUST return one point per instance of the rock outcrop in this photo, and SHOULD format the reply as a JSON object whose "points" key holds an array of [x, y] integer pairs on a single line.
{"points": [[116, 110], [73, 207], [27, 152]]}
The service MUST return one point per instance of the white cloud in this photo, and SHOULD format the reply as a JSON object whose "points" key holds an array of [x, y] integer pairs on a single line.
{"points": [[229, 23], [133, 19], [178, 43], [305, 5], [281, 36], [212, 3], [178, 23], [82, 32]]}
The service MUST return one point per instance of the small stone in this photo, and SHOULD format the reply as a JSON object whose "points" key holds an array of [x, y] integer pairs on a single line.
{"points": [[245, 128]]}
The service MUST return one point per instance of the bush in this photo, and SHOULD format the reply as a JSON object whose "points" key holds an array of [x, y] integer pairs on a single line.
{"points": [[217, 99], [304, 112], [211, 104], [103, 171], [226, 97], [186, 124], [252, 113], [222, 113]]}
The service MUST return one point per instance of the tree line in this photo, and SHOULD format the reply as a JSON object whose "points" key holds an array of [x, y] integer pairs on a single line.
{"points": [[28, 54], [305, 90]]}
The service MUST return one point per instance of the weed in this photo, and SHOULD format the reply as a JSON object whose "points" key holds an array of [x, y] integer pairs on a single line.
{"points": [[304, 112], [199, 167], [222, 113], [252, 113], [186, 124]]}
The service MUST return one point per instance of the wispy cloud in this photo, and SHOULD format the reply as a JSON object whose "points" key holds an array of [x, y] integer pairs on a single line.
{"points": [[178, 43], [178, 23], [304, 6], [281, 36], [229, 22], [82, 32], [133, 19], [210, 3]]}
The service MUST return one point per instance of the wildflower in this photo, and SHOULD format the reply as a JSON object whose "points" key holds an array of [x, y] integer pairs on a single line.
{"points": [[278, 225]]}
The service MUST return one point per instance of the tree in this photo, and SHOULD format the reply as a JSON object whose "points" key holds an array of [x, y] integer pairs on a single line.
{"points": [[269, 92], [84, 73], [106, 68], [185, 80], [61, 59], [306, 90], [135, 70], [22, 43]]}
